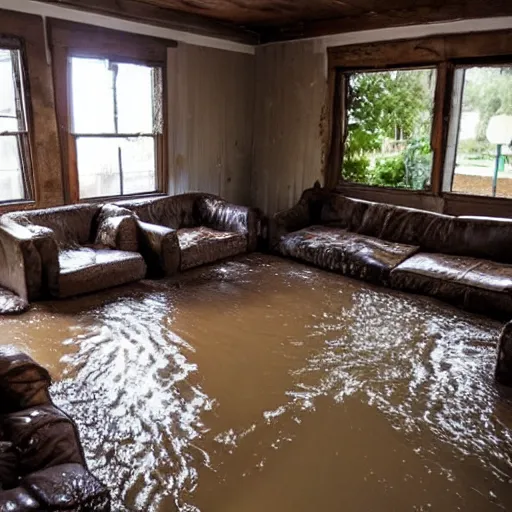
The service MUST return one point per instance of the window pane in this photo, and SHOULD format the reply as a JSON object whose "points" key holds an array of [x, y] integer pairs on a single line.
{"points": [[389, 125], [10, 120], [98, 167], [102, 161], [11, 170], [92, 96], [483, 114], [102, 89], [135, 99], [139, 169]]}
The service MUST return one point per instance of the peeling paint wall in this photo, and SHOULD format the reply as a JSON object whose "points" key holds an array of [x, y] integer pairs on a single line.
{"points": [[211, 101], [289, 122]]}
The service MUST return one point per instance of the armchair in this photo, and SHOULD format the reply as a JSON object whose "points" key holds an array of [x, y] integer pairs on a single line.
{"points": [[69, 250]]}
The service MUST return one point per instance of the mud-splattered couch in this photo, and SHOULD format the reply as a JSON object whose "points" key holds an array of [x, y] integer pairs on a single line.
{"points": [[42, 465], [68, 250], [466, 261], [188, 230]]}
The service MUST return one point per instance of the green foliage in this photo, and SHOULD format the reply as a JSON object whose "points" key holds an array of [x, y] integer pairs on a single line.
{"points": [[389, 172], [380, 105], [418, 163]]}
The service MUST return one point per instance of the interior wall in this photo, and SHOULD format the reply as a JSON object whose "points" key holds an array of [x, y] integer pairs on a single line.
{"points": [[211, 102], [289, 123]]}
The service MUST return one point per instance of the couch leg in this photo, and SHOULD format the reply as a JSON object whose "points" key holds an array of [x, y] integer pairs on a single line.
{"points": [[503, 371]]}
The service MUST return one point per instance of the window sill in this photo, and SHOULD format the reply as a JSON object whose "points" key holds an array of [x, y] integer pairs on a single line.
{"points": [[9, 206], [346, 186], [115, 199]]}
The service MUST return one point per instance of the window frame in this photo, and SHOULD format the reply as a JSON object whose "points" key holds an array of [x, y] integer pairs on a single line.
{"points": [[23, 136], [446, 53], [344, 91], [78, 40]]}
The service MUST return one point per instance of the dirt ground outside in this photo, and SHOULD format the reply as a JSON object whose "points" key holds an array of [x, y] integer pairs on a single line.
{"points": [[481, 185]]}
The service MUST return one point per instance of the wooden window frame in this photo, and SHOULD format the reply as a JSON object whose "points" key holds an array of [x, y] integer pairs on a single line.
{"points": [[77, 40], [446, 53], [23, 136]]}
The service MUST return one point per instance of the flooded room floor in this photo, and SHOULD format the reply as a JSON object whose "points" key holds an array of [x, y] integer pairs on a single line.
{"points": [[262, 384]]}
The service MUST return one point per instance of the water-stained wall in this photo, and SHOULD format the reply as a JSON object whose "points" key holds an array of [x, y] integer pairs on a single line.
{"points": [[211, 101], [289, 122]]}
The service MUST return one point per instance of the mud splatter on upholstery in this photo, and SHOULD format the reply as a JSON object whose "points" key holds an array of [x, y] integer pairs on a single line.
{"points": [[379, 242], [42, 465], [480, 285], [202, 245], [229, 229], [57, 235], [341, 251]]}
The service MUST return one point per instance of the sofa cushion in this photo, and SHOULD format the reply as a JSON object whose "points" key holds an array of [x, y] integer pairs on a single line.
{"points": [[348, 253], [9, 469], [475, 284], [202, 245], [173, 212], [481, 237], [344, 212], [66, 487], [18, 500], [43, 437], [23, 383], [428, 230], [87, 270]]}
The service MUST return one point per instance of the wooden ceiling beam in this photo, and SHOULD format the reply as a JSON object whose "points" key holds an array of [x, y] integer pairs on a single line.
{"points": [[134, 10], [468, 9]]}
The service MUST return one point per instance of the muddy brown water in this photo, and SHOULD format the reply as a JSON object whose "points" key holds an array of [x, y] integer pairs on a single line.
{"points": [[264, 385]]}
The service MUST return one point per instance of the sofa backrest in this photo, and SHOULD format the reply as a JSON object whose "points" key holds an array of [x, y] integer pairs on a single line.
{"points": [[176, 212], [72, 225], [341, 211], [479, 237], [428, 230]]}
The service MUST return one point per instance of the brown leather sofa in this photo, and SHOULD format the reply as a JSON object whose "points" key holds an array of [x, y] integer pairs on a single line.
{"points": [[42, 465], [185, 231], [466, 261], [69, 250]]}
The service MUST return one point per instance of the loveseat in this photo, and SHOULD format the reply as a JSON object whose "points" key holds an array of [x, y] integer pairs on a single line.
{"points": [[466, 261], [69, 250], [42, 465], [188, 230]]}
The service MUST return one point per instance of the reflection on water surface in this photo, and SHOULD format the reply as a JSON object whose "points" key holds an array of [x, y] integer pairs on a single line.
{"points": [[262, 384]]}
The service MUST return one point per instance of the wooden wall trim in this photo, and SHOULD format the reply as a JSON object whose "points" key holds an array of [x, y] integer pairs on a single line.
{"points": [[448, 11], [44, 140], [98, 41], [422, 51]]}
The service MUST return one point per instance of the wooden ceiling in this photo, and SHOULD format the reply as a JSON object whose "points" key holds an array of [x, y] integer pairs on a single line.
{"points": [[272, 20]]}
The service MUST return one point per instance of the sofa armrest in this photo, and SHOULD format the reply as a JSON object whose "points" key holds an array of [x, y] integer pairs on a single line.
{"points": [[223, 216], [287, 221], [66, 487], [160, 247], [503, 368], [29, 259]]}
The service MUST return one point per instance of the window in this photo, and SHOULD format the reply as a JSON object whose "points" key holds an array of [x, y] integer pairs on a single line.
{"points": [[388, 128], [116, 126], [15, 166], [479, 156]]}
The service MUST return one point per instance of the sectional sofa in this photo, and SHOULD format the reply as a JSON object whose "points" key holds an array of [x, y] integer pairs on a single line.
{"points": [[42, 465], [466, 261]]}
